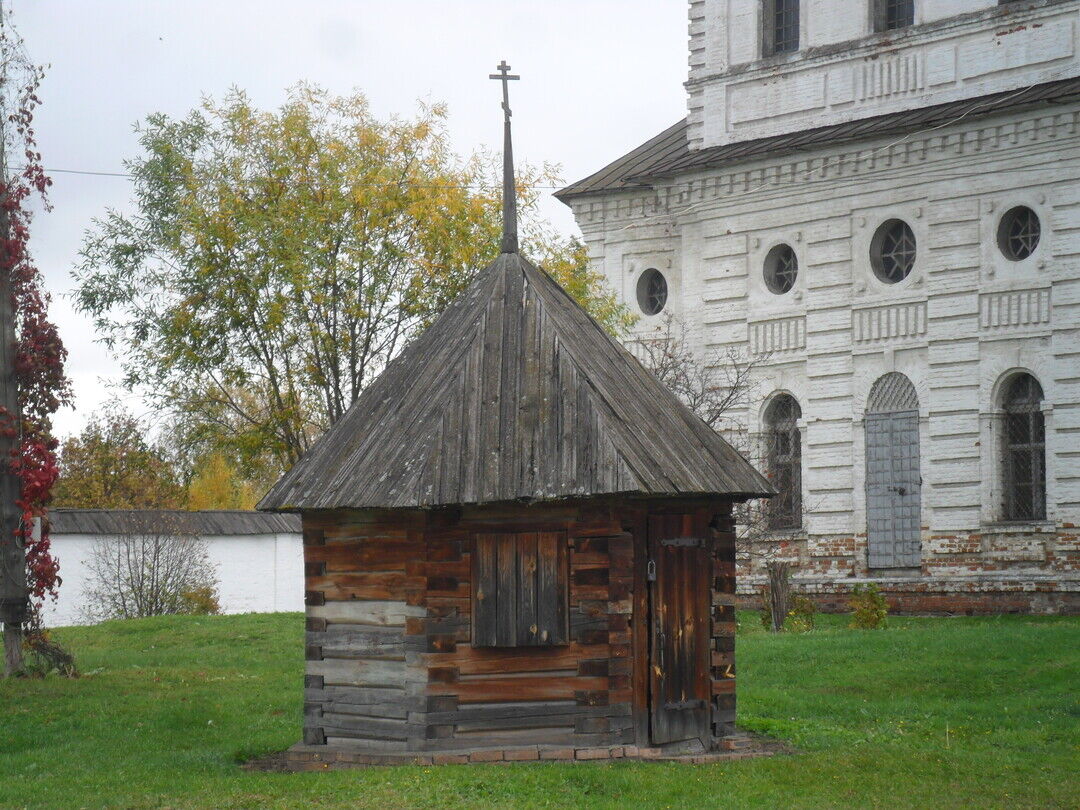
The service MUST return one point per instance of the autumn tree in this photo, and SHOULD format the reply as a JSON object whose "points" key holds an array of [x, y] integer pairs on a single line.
{"points": [[277, 260], [113, 464], [216, 483]]}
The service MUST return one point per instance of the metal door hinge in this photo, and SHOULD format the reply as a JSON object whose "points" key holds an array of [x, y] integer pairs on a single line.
{"points": [[650, 571]]}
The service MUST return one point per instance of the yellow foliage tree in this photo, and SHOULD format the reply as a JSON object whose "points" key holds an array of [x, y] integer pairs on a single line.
{"points": [[277, 260], [217, 485]]}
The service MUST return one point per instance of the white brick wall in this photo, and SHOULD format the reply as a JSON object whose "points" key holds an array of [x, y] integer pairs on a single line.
{"points": [[843, 71], [965, 317], [259, 573]]}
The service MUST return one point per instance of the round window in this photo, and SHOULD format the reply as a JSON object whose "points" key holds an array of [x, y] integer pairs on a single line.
{"points": [[892, 251], [1019, 233], [781, 269], [652, 292]]}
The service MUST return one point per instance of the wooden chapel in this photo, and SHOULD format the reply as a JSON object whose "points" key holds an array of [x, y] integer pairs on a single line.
{"points": [[518, 544]]}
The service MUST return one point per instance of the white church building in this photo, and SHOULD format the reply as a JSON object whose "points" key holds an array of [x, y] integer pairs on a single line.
{"points": [[877, 204]]}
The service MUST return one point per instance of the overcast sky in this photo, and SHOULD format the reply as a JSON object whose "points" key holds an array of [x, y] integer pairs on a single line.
{"points": [[598, 78]]}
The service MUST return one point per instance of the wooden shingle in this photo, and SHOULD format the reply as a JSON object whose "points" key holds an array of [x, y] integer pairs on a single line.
{"points": [[514, 393]]}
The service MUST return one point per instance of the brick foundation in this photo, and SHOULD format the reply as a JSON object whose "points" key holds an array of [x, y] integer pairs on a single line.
{"points": [[303, 757], [953, 596]]}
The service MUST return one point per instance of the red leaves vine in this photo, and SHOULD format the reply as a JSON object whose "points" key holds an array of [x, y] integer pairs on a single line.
{"points": [[39, 353]]}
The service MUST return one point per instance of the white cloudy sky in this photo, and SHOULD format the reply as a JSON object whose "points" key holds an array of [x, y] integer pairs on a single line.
{"points": [[599, 77]]}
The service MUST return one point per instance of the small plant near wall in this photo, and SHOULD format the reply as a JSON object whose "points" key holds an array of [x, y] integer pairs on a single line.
{"points": [[798, 619], [200, 601], [868, 607]]}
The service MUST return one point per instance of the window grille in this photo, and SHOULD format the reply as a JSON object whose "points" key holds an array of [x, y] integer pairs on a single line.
{"points": [[652, 292], [784, 460], [1019, 233], [893, 251], [781, 269], [892, 393], [781, 26], [890, 15], [1024, 450]]}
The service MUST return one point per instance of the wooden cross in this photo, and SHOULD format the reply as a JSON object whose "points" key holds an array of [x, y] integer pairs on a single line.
{"points": [[504, 76]]}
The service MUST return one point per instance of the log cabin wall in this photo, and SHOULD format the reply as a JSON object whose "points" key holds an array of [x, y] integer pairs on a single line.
{"points": [[722, 665], [391, 666]]}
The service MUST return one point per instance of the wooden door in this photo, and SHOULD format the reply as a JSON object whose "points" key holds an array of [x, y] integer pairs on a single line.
{"points": [[679, 591], [893, 489]]}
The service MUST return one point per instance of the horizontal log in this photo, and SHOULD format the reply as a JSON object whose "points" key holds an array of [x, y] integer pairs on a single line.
{"points": [[374, 727], [379, 613], [536, 709], [723, 659], [487, 690], [724, 687], [359, 672], [359, 695], [377, 585], [363, 641], [462, 569], [565, 721], [580, 592], [363, 556], [484, 661], [521, 737], [379, 710]]}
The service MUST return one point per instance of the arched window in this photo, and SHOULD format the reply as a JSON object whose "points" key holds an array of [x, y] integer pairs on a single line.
{"points": [[784, 460], [1024, 449]]}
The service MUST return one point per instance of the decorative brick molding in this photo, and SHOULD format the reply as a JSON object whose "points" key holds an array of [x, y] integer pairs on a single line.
{"points": [[1014, 309], [895, 322]]}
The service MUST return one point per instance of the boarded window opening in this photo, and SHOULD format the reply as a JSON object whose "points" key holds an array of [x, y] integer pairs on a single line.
{"points": [[520, 590]]}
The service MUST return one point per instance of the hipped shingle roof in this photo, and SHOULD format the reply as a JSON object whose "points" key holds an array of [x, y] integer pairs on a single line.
{"points": [[513, 393]]}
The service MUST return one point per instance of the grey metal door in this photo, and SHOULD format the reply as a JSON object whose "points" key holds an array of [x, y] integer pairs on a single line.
{"points": [[893, 489]]}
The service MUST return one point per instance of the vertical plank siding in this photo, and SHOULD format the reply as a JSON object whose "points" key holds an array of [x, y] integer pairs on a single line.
{"points": [[391, 664]]}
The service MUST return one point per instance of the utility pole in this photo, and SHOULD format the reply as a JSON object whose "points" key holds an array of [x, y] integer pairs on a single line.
{"points": [[14, 597]]}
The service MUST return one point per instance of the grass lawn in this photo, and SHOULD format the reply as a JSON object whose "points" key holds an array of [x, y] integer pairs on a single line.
{"points": [[928, 713]]}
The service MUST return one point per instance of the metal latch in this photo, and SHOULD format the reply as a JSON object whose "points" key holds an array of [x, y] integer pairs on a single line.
{"points": [[650, 571], [683, 705]]}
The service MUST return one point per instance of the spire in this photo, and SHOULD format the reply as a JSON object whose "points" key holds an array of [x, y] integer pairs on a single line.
{"points": [[510, 235]]}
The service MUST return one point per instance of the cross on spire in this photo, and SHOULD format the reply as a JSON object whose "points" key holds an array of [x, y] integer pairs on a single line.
{"points": [[510, 236], [505, 76]]}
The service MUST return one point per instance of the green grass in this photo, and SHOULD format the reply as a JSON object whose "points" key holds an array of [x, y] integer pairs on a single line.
{"points": [[928, 713]]}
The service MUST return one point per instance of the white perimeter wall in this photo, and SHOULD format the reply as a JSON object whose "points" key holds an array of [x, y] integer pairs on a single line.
{"points": [[257, 573]]}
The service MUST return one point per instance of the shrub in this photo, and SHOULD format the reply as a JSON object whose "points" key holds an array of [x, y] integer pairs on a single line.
{"points": [[162, 571], [868, 607], [800, 619], [201, 601]]}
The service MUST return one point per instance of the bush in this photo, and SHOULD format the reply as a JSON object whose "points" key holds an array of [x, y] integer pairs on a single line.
{"points": [[868, 607], [800, 616], [201, 601]]}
